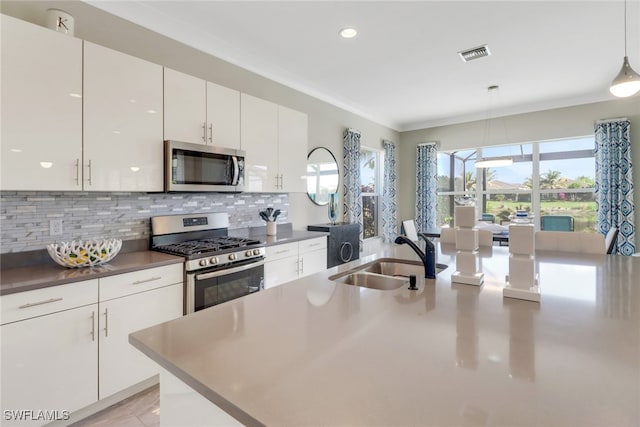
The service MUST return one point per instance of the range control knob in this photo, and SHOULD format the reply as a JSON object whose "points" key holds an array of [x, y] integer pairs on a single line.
{"points": [[213, 260], [256, 251], [203, 263], [248, 253], [232, 257]]}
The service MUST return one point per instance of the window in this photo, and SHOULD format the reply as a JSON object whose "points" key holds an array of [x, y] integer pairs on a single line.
{"points": [[567, 181], [369, 178], [546, 178]]}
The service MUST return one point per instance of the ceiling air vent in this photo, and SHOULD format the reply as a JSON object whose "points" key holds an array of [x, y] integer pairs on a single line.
{"points": [[475, 53]]}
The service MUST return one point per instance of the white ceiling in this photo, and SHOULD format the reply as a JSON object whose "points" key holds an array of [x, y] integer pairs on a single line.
{"points": [[402, 70]]}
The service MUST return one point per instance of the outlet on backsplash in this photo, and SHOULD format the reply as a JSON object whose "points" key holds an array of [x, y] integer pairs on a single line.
{"points": [[55, 227]]}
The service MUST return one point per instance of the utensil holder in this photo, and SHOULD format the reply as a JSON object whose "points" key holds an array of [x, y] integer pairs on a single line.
{"points": [[272, 227]]}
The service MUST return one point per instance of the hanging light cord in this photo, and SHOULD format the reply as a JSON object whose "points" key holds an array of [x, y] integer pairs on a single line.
{"points": [[625, 27]]}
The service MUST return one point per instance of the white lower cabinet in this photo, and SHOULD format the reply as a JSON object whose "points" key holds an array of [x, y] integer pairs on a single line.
{"points": [[65, 347], [130, 302], [49, 362], [291, 261], [121, 364]]}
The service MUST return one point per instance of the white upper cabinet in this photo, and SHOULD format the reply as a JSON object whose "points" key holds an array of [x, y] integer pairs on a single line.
{"points": [[223, 116], [185, 107], [123, 147], [41, 137], [292, 150], [275, 140], [200, 112], [259, 122]]}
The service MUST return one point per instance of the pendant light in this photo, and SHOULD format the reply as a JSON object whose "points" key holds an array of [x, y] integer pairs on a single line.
{"points": [[627, 82], [497, 161]]}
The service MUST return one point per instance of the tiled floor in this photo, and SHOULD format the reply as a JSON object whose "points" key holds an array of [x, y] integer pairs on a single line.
{"points": [[140, 410]]}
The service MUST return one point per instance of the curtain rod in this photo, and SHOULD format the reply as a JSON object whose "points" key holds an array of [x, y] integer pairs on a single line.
{"points": [[428, 143], [617, 119]]}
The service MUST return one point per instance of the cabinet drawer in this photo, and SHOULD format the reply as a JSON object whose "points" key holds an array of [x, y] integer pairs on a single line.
{"points": [[39, 302], [313, 244], [140, 281], [281, 251]]}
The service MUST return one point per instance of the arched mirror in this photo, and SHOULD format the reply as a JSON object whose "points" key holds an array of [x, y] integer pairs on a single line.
{"points": [[322, 175]]}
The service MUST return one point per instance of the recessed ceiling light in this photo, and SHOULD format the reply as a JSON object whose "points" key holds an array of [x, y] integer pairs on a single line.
{"points": [[348, 32]]}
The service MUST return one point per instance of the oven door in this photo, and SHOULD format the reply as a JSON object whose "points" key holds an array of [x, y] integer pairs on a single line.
{"points": [[206, 289]]}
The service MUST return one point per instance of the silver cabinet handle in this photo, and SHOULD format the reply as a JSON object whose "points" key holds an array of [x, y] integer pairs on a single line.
{"points": [[211, 133], [137, 282], [89, 167], [77, 171], [281, 181], [277, 181], [106, 323], [32, 304], [93, 326], [204, 131], [314, 244], [283, 251], [301, 266]]}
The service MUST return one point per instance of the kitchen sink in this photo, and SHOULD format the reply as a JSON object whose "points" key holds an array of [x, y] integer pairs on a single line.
{"points": [[375, 281], [384, 273], [394, 268]]}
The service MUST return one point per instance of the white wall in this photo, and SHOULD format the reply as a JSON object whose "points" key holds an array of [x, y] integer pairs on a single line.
{"points": [[538, 126], [326, 122]]}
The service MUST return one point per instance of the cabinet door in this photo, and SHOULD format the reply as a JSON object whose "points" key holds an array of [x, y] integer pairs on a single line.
{"points": [[121, 364], [280, 271], [313, 262], [259, 124], [292, 150], [123, 148], [41, 136], [223, 116], [50, 362], [185, 107]]}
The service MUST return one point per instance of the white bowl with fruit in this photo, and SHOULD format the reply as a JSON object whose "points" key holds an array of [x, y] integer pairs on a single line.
{"points": [[79, 253]]}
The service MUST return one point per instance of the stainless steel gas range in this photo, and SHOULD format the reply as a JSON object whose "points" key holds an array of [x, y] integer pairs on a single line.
{"points": [[218, 267]]}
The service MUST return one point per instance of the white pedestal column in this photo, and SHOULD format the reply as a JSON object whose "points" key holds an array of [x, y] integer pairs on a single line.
{"points": [[522, 280], [467, 258]]}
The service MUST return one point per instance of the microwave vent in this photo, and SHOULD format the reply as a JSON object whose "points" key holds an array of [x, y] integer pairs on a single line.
{"points": [[474, 53]]}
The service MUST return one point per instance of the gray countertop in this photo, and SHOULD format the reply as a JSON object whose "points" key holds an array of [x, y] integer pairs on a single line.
{"points": [[318, 352], [22, 279], [292, 236], [47, 273]]}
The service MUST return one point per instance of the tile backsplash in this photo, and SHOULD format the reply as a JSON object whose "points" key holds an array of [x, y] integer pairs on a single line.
{"points": [[25, 216]]}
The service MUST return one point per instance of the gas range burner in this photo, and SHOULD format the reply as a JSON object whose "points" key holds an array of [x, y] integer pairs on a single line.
{"points": [[207, 246], [203, 241]]}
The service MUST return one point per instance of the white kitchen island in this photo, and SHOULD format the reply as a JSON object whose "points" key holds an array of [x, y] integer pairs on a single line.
{"points": [[316, 352]]}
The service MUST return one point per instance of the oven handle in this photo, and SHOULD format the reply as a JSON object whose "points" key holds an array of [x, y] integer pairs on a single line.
{"points": [[226, 271]]}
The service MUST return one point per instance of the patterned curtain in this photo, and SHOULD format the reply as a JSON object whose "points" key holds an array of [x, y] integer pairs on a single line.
{"points": [[352, 187], [389, 198], [426, 185], [614, 183]]}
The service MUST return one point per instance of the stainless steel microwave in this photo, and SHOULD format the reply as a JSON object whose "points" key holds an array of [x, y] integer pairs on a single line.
{"points": [[198, 167]]}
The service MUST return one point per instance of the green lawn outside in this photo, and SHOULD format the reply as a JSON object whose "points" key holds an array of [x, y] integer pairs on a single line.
{"points": [[583, 212]]}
